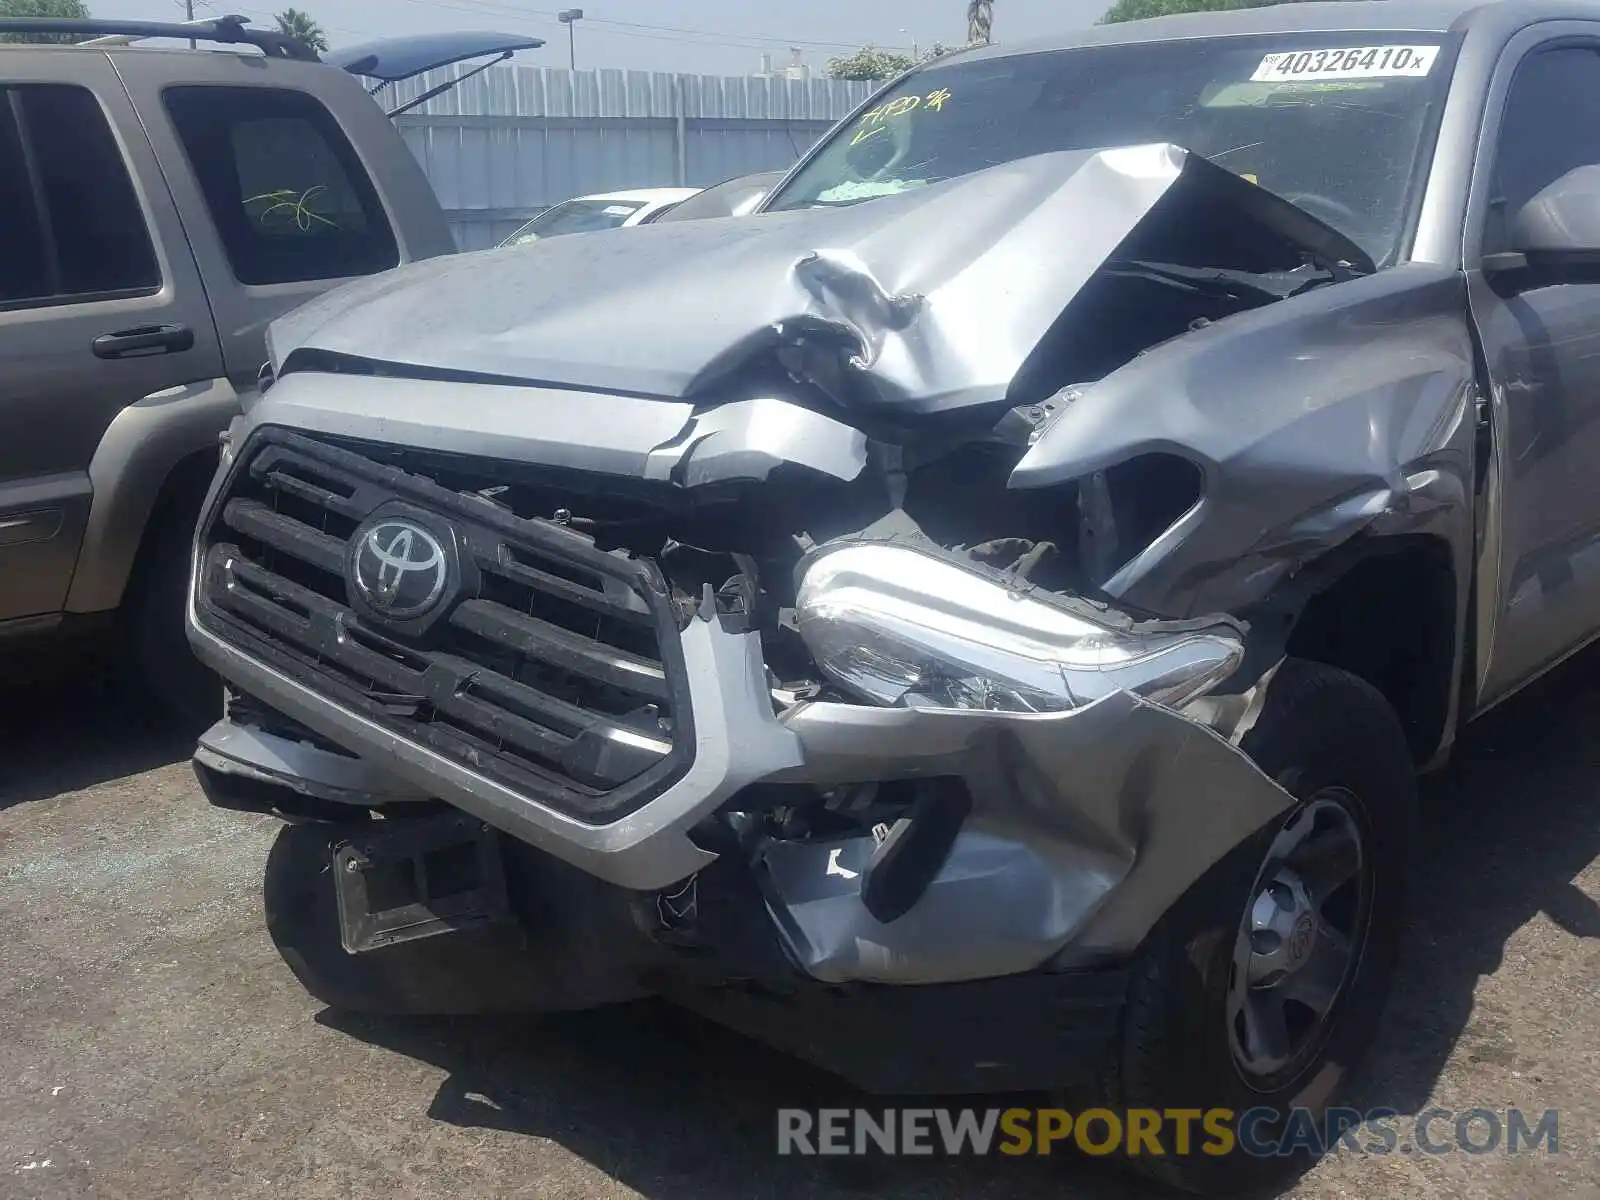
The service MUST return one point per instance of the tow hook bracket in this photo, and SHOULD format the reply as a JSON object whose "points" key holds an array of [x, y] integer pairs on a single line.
{"points": [[413, 879], [916, 847]]}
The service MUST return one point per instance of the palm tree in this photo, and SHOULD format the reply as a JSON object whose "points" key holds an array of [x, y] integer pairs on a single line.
{"points": [[299, 25], [980, 21]]}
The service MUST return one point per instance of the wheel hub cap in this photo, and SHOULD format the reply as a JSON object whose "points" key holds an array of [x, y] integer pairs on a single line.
{"points": [[1283, 929], [1298, 942]]}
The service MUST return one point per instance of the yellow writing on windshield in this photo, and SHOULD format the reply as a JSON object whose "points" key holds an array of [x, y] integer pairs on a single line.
{"points": [[874, 122]]}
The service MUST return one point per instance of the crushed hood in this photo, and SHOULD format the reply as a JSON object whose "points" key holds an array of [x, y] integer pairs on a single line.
{"points": [[930, 299]]}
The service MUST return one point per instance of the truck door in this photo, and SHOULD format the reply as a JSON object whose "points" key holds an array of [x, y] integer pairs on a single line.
{"points": [[100, 304], [1542, 347]]}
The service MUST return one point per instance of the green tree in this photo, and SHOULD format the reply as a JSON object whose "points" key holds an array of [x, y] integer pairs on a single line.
{"points": [[296, 24], [42, 8], [870, 63], [873, 63], [1138, 10]]}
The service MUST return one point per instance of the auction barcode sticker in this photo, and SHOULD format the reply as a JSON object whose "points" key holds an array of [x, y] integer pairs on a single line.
{"points": [[1355, 62]]}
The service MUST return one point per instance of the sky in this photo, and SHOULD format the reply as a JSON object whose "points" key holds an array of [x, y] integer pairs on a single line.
{"points": [[708, 36]]}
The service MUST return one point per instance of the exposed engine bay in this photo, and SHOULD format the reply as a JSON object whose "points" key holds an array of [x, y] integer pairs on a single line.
{"points": [[930, 366], [746, 537]]}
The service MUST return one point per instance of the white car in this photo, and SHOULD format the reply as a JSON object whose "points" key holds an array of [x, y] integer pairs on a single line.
{"points": [[609, 210], [736, 197]]}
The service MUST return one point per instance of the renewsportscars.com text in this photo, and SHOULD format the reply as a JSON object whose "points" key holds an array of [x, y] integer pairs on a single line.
{"points": [[1216, 1132]]}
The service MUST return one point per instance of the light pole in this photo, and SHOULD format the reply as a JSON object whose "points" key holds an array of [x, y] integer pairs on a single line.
{"points": [[570, 18]]}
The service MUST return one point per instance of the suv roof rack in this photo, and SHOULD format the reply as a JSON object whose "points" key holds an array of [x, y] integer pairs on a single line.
{"points": [[227, 31]]}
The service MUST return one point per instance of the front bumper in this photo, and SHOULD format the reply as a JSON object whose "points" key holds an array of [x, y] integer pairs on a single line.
{"points": [[1084, 826], [1077, 829], [560, 940], [738, 742]]}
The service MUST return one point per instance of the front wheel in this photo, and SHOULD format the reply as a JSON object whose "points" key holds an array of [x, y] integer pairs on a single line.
{"points": [[1259, 990], [155, 616]]}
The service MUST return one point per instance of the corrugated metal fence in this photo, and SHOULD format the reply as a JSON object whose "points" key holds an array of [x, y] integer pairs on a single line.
{"points": [[513, 140]]}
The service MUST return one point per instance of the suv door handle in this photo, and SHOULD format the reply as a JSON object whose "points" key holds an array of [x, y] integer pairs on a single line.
{"points": [[144, 341]]}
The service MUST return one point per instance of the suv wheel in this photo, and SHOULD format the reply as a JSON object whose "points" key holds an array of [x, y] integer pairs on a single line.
{"points": [[155, 617], [1260, 989]]}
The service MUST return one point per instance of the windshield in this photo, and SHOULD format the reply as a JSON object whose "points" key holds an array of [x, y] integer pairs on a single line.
{"points": [[1333, 122], [575, 216]]}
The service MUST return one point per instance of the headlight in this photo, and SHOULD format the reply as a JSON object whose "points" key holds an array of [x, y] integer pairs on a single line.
{"points": [[898, 626]]}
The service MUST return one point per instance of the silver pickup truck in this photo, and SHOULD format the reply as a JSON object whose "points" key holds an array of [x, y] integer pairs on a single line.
{"points": [[976, 622], [201, 193]]}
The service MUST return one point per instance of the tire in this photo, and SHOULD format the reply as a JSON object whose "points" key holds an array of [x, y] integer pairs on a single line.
{"points": [[163, 663], [1337, 746]]}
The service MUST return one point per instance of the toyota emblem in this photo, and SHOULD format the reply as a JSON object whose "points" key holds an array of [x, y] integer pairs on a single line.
{"points": [[399, 569], [1300, 940]]}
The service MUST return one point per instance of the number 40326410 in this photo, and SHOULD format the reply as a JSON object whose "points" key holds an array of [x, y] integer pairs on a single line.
{"points": [[1353, 62]]}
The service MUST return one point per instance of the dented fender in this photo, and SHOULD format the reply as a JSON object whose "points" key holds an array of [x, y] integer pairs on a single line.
{"points": [[1344, 411]]}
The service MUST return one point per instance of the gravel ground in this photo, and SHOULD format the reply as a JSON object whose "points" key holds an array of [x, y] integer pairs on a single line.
{"points": [[151, 1043]]}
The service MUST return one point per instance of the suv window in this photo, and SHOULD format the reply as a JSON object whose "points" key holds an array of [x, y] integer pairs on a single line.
{"points": [[286, 191], [73, 228], [1541, 135]]}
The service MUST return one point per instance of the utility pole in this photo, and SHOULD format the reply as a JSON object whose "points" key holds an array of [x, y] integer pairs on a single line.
{"points": [[188, 13], [570, 18]]}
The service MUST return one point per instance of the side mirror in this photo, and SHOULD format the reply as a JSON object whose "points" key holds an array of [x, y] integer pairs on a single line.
{"points": [[1557, 232]]}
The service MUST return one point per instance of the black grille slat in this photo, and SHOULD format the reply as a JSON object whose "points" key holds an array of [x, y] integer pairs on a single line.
{"points": [[553, 667], [293, 485], [533, 739], [256, 604], [440, 684], [496, 722], [295, 538], [550, 711], [322, 635], [550, 643], [566, 589]]}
